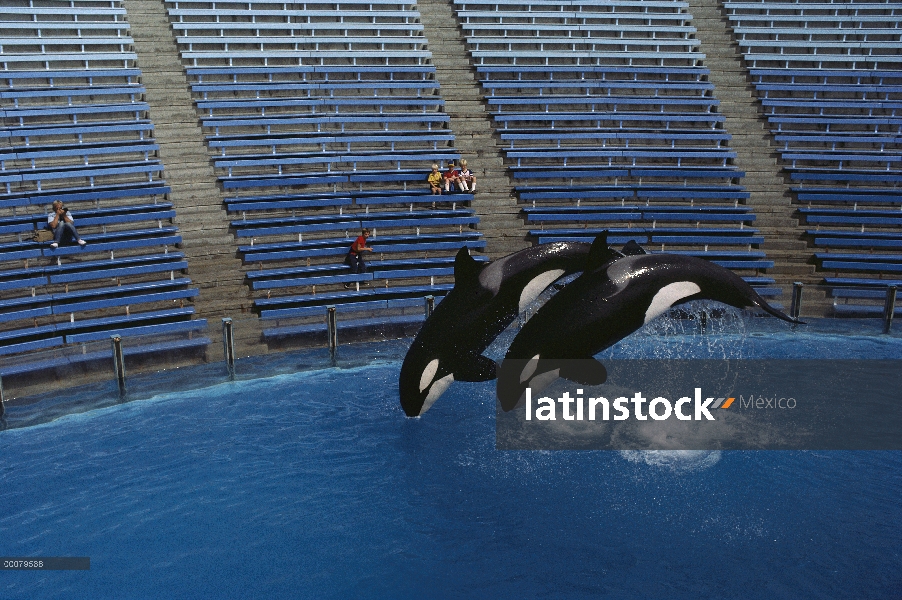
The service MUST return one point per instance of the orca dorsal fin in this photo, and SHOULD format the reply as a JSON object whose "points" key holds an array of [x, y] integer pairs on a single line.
{"points": [[465, 267], [631, 248], [600, 254]]}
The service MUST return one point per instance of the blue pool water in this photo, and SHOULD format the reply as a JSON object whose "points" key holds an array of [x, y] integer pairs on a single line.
{"points": [[304, 480]]}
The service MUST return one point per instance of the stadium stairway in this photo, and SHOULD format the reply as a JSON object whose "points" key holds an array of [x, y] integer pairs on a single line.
{"points": [[202, 219], [499, 215], [769, 191]]}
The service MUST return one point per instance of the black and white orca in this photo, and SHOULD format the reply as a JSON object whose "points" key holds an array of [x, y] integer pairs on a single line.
{"points": [[486, 298], [611, 299]]}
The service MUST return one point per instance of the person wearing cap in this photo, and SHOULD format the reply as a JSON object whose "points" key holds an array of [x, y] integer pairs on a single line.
{"points": [[452, 175]]}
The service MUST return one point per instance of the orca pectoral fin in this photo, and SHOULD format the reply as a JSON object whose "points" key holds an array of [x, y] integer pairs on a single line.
{"points": [[586, 371], [476, 368]]}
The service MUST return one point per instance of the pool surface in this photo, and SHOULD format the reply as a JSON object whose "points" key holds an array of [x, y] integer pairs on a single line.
{"points": [[304, 480]]}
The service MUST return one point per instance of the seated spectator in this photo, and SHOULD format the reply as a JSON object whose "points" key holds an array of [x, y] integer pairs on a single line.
{"points": [[452, 176], [62, 224], [467, 179], [354, 259], [435, 180]]}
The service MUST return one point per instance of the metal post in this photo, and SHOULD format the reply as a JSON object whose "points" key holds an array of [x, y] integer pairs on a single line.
{"points": [[333, 329], [228, 345], [118, 362], [2, 399], [430, 305], [795, 308], [889, 308]]}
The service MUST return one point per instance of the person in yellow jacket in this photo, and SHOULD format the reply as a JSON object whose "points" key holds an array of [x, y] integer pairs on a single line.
{"points": [[435, 180]]}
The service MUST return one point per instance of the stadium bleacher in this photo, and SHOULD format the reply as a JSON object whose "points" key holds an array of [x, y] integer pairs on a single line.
{"points": [[321, 119], [76, 129], [608, 121], [829, 76]]}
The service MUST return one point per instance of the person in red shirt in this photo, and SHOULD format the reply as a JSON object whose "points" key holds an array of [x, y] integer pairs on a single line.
{"points": [[354, 259], [452, 175]]}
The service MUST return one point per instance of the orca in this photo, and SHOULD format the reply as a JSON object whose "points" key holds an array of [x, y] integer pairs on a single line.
{"points": [[486, 298], [609, 301]]}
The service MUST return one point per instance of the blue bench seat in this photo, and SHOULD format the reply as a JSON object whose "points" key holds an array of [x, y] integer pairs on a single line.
{"points": [[876, 294], [274, 141], [144, 330], [428, 119], [668, 73], [851, 218], [120, 240], [85, 193], [13, 279], [526, 103], [375, 322], [847, 265], [677, 155], [331, 158], [137, 112], [849, 195], [593, 213], [543, 85], [258, 107], [27, 307], [88, 300], [823, 75], [595, 171], [347, 221], [444, 242], [410, 54], [77, 131], [260, 278], [12, 347], [281, 307], [137, 347], [863, 282], [140, 168], [855, 239], [592, 138], [130, 93], [341, 310], [557, 119], [857, 310], [843, 157], [119, 267], [312, 89], [270, 72], [85, 218], [829, 175], [136, 324], [83, 76], [82, 151], [531, 193], [858, 257]]}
